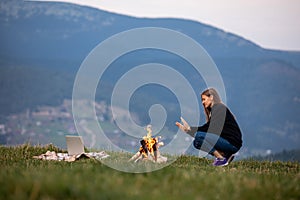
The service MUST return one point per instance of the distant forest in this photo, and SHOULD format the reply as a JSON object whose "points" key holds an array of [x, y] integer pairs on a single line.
{"points": [[285, 155], [23, 87]]}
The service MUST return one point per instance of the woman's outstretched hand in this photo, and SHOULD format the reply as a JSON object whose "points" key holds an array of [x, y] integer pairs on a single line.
{"points": [[185, 127]]}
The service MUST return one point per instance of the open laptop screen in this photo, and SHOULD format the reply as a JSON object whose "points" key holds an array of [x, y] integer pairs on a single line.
{"points": [[74, 145]]}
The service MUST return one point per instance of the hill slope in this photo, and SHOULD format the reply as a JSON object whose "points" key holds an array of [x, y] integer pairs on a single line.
{"points": [[43, 45]]}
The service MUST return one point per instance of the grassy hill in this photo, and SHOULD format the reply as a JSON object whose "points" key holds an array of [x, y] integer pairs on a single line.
{"points": [[22, 177]]}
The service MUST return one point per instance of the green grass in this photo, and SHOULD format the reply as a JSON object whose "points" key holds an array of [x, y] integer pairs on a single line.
{"points": [[23, 177]]}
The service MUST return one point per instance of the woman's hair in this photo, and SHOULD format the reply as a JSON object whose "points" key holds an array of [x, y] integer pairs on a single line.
{"points": [[216, 99]]}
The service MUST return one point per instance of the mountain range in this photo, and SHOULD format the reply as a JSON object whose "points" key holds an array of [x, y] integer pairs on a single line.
{"points": [[44, 43]]}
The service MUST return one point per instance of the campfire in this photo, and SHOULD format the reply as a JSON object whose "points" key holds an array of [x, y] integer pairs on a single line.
{"points": [[149, 148]]}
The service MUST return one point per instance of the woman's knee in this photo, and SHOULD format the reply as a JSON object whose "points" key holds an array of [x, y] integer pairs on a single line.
{"points": [[198, 141], [200, 136]]}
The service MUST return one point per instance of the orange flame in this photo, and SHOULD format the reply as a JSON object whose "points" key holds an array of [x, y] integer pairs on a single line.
{"points": [[149, 146]]}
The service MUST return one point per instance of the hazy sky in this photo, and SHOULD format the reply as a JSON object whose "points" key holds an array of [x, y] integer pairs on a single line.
{"points": [[271, 24]]}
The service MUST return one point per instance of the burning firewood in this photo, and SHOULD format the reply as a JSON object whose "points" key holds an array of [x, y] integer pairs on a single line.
{"points": [[149, 148]]}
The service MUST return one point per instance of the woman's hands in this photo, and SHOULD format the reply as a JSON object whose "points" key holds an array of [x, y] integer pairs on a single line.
{"points": [[185, 127]]}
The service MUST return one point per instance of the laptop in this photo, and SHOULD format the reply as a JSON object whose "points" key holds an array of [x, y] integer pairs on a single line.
{"points": [[74, 145]]}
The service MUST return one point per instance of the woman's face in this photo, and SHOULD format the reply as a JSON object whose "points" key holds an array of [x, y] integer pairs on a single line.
{"points": [[207, 102]]}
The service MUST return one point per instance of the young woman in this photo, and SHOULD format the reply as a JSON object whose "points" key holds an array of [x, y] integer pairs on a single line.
{"points": [[220, 136]]}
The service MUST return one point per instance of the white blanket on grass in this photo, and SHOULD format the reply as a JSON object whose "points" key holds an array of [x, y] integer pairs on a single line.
{"points": [[52, 155]]}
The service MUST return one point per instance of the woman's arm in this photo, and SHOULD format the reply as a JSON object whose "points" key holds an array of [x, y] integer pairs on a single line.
{"points": [[216, 121], [191, 130]]}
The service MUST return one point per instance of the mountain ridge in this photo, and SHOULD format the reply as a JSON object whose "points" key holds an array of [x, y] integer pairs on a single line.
{"points": [[261, 84]]}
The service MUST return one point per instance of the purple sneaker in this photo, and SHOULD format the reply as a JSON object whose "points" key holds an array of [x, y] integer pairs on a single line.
{"points": [[220, 162]]}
